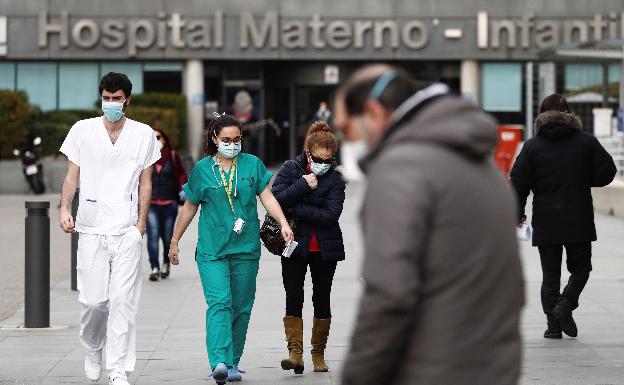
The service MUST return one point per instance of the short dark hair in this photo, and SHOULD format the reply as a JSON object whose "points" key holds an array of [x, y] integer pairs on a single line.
{"points": [[554, 102], [398, 90], [115, 81]]}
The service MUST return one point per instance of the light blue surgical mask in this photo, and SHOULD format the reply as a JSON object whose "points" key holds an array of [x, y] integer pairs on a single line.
{"points": [[229, 150], [113, 110], [319, 168]]}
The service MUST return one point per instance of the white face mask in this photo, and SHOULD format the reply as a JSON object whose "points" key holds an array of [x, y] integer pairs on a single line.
{"points": [[319, 168], [113, 110], [350, 154], [230, 150], [160, 145]]}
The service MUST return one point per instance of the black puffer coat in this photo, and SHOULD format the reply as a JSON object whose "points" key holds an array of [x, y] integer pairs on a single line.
{"points": [[315, 210], [560, 165]]}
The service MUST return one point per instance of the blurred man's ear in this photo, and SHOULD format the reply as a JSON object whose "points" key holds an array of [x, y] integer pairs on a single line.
{"points": [[379, 116]]}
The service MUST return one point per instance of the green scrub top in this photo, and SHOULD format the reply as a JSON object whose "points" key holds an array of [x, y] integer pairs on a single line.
{"points": [[217, 238]]}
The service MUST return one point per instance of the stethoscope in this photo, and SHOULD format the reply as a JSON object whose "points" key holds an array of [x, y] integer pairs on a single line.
{"points": [[219, 179]]}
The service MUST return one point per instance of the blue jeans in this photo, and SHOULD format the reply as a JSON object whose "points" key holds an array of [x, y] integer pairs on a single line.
{"points": [[160, 222]]}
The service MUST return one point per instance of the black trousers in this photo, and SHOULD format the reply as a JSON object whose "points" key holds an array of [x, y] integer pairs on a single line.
{"points": [[294, 271], [579, 265]]}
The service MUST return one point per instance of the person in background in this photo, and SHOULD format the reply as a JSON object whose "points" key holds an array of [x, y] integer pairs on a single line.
{"points": [[560, 165], [312, 192], [226, 184], [168, 176], [323, 113], [443, 287]]}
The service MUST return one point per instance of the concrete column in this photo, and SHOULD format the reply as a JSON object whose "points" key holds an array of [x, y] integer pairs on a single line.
{"points": [[194, 91], [547, 80], [470, 80], [528, 93]]}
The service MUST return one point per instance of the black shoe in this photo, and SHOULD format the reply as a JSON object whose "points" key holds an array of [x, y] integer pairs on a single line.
{"points": [[553, 334], [164, 273], [155, 275], [554, 330], [564, 316]]}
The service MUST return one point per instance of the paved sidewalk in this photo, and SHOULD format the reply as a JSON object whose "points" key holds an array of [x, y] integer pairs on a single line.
{"points": [[12, 214], [171, 345], [171, 337]]}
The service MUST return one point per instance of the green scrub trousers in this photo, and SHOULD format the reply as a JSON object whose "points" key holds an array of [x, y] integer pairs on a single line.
{"points": [[229, 288]]}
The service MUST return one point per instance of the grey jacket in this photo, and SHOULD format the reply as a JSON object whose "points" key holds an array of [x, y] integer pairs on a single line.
{"points": [[444, 286]]}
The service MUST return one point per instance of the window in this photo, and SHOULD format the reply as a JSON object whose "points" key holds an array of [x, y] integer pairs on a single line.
{"points": [[39, 81], [133, 70], [165, 77], [583, 78], [7, 76], [615, 73], [78, 84], [501, 87]]}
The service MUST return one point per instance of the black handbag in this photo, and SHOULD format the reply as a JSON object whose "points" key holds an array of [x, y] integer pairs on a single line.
{"points": [[271, 234]]}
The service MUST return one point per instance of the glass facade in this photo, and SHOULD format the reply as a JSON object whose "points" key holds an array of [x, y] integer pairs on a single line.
{"points": [[583, 77], [615, 73], [7, 76], [74, 85], [501, 87], [40, 82], [78, 85]]}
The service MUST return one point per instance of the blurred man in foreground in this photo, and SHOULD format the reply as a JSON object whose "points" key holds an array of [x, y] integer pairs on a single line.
{"points": [[443, 280]]}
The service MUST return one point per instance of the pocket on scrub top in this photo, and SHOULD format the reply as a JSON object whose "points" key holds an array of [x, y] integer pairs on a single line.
{"points": [[88, 212], [117, 182], [119, 214], [211, 242]]}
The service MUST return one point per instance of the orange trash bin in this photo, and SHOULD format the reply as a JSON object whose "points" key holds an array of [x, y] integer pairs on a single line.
{"points": [[509, 137]]}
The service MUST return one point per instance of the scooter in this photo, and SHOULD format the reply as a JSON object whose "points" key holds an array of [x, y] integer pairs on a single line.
{"points": [[31, 165]]}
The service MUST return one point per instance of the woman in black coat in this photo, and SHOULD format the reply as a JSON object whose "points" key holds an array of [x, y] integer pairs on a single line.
{"points": [[312, 192], [560, 165]]}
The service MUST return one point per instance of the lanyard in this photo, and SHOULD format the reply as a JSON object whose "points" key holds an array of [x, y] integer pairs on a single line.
{"points": [[227, 185]]}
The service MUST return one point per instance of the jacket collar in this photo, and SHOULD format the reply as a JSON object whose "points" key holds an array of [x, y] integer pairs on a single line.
{"points": [[552, 118]]}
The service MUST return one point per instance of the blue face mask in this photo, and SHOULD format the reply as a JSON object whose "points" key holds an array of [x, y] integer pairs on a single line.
{"points": [[113, 110], [229, 150], [319, 168]]}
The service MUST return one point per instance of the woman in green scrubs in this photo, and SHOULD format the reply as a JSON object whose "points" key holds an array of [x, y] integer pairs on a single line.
{"points": [[225, 184]]}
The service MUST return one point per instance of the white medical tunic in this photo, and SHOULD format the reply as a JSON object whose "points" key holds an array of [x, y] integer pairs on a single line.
{"points": [[109, 173]]}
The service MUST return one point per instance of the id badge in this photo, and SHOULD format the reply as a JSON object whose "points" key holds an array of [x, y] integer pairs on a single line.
{"points": [[239, 224]]}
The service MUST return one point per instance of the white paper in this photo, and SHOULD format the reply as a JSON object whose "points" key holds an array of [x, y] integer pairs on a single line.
{"points": [[524, 232], [290, 247]]}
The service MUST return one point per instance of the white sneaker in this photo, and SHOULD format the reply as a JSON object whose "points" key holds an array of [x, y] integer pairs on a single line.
{"points": [[118, 379], [93, 365]]}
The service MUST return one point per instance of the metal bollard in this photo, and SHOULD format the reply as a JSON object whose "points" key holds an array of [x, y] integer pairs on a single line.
{"points": [[74, 244], [37, 284]]}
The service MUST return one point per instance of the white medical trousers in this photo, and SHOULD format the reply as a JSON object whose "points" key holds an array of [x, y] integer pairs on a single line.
{"points": [[109, 281]]}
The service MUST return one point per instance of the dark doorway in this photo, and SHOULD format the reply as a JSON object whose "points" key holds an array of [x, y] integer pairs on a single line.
{"points": [[307, 101], [169, 82], [277, 107]]}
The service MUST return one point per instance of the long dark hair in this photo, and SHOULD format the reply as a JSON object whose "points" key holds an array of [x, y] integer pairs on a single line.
{"points": [[164, 136], [213, 129]]}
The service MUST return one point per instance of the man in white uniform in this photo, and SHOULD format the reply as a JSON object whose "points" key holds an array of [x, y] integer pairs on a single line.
{"points": [[113, 157]]}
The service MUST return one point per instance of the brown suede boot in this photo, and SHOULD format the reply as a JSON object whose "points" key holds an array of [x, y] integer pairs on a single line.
{"points": [[293, 327], [320, 332]]}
